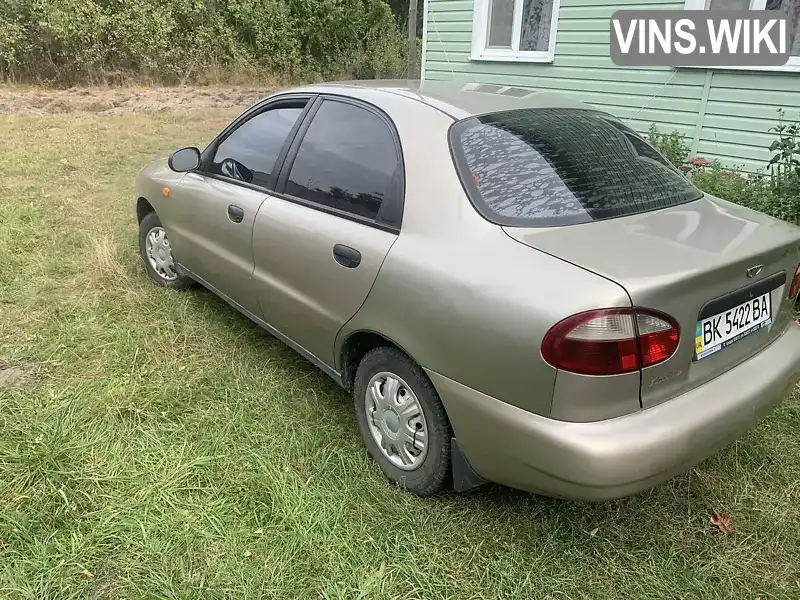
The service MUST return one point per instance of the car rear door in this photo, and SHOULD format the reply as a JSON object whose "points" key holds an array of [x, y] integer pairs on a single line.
{"points": [[215, 207], [321, 239]]}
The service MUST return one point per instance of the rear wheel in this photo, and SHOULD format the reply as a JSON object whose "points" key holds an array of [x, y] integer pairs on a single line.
{"points": [[156, 253], [402, 421]]}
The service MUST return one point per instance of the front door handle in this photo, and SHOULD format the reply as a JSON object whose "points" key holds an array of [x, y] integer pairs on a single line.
{"points": [[346, 256], [235, 213]]}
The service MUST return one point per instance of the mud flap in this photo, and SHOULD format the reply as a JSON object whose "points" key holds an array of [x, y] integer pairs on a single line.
{"points": [[464, 477]]}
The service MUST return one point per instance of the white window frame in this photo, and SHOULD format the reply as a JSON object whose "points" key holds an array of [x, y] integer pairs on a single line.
{"points": [[480, 35], [793, 66]]}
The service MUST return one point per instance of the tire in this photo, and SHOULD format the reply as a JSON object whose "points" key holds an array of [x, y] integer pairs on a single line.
{"points": [[181, 281], [432, 473]]}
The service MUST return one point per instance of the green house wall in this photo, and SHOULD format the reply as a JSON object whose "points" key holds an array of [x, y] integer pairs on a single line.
{"points": [[725, 114]]}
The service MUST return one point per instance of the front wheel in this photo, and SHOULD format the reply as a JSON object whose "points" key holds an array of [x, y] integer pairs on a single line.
{"points": [[156, 254], [402, 421]]}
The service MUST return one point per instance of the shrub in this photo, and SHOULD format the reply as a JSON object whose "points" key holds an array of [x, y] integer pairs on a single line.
{"points": [[265, 29], [752, 191], [776, 194], [68, 31], [784, 166], [354, 37], [69, 41], [671, 145], [13, 47]]}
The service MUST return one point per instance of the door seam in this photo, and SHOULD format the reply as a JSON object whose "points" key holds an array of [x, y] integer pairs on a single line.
{"points": [[360, 306]]}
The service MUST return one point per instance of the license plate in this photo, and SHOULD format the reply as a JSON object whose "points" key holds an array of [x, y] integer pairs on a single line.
{"points": [[723, 329]]}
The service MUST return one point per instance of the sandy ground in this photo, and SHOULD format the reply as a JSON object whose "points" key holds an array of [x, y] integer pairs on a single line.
{"points": [[114, 101], [14, 377]]}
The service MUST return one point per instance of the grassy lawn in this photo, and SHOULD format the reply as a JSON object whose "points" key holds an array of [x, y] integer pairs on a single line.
{"points": [[158, 445]]}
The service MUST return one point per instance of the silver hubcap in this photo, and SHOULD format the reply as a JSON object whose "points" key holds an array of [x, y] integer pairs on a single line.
{"points": [[159, 254], [396, 421]]}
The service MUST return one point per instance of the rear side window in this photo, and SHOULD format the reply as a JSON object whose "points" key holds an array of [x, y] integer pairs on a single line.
{"points": [[348, 160], [546, 167]]}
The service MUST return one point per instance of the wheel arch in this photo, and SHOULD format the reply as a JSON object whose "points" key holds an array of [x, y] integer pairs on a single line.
{"points": [[355, 346], [143, 208]]}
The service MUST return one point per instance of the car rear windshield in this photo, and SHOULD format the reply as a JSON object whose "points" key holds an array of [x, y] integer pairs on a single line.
{"points": [[544, 167]]}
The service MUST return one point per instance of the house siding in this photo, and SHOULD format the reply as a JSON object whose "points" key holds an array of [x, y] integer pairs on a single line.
{"points": [[723, 114]]}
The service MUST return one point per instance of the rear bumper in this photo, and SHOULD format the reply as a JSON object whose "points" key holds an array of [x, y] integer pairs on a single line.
{"points": [[614, 458]]}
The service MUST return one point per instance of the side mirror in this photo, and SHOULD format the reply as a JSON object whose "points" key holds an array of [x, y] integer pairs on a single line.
{"points": [[185, 159]]}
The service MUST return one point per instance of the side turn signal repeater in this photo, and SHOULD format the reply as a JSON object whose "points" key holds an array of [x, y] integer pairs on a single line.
{"points": [[165, 191]]}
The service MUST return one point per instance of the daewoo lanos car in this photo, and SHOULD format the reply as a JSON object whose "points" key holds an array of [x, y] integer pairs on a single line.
{"points": [[515, 287]]}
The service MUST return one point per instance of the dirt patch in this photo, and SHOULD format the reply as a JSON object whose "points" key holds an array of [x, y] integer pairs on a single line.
{"points": [[14, 377], [116, 101]]}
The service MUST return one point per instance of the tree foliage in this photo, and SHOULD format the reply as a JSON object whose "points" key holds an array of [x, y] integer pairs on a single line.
{"points": [[67, 41]]}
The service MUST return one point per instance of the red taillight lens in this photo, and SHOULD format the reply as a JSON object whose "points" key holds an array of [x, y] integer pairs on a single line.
{"points": [[598, 342], [658, 337], [794, 289], [611, 341]]}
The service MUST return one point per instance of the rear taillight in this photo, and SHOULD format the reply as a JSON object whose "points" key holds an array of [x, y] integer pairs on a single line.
{"points": [[611, 341], [794, 289], [658, 337]]}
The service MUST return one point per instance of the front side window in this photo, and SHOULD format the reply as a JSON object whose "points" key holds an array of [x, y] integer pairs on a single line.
{"points": [[790, 7], [546, 167], [249, 153], [521, 30], [348, 161]]}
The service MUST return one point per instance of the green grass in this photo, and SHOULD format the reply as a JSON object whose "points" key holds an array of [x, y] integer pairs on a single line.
{"points": [[164, 447]]}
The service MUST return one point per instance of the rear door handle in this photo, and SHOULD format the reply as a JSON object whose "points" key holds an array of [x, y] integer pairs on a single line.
{"points": [[346, 256], [235, 213]]}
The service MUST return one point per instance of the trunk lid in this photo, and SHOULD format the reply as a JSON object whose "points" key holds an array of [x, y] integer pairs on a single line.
{"points": [[678, 260]]}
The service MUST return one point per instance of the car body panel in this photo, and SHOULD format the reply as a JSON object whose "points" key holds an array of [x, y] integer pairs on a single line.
{"points": [[301, 289], [582, 398], [618, 457], [150, 182], [460, 297], [457, 99], [677, 259], [209, 243], [437, 311]]}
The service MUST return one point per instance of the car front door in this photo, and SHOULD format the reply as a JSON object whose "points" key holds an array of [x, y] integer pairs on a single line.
{"points": [[218, 203], [320, 240]]}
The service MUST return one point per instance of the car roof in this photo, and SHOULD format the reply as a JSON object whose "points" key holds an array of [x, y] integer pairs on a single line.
{"points": [[458, 99]]}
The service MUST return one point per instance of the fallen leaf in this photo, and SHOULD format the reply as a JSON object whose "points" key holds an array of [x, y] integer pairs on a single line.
{"points": [[86, 574], [594, 531], [722, 522], [247, 554]]}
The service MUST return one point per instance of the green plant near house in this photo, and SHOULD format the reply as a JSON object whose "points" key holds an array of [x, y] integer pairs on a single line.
{"points": [[672, 145], [776, 193], [786, 149], [784, 166], [752, 191]]}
